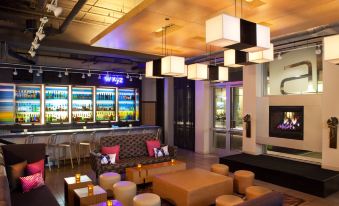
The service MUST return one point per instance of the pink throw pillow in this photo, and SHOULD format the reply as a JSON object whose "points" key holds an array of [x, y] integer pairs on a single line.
{"points": [[31, 182], [111, 150], [151, 144], [36, 167]]}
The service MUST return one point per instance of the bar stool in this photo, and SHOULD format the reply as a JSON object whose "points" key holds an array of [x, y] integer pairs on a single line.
{"points": [[29, 139], [51, 144], [70, 145], [88, 143]]}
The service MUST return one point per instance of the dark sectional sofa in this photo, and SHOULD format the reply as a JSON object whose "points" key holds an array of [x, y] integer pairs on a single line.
{"points": [[15, 153], [133, 151]]}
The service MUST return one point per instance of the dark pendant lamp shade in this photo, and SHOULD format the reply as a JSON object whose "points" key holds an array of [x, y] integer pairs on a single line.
{"points": [[153, 69], [217, 74], [247, 36]]}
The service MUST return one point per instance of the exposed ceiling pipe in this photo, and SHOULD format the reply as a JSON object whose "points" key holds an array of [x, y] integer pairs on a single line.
{"points": [[72, 15]]}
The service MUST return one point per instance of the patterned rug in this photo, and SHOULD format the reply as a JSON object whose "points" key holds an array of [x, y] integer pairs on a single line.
{"points": [[289, 200]]}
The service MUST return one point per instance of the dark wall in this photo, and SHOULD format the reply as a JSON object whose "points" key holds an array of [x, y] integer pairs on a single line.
{"points": [[160, 106], [184, 113]]}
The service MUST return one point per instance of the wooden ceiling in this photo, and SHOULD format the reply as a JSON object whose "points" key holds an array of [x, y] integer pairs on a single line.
{"points": [[136, 31]]}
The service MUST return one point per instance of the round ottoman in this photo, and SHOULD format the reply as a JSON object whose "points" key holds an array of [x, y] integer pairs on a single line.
{"points": [[242, 180], [146, 199], [124, 191], [256, 191], [228, 200], [107, 180], [220, 169]]}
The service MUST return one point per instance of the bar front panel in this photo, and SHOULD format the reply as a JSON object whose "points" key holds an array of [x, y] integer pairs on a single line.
{"points": [[82, 104], [28, 104], [7, 106], [56, 104]]}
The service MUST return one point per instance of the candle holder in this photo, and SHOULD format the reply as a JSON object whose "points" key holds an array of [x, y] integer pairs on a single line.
{"points": [[90, 189], [172, 161], [77, 177], [109, 203], [139, 166]]}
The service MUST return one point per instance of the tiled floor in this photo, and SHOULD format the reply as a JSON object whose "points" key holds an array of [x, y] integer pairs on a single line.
{"points": [[54, 179]]}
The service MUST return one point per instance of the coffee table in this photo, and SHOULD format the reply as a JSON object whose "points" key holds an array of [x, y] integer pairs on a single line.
{"points": [[193, 187], [146, 173], [70, 184], [82, 198]]}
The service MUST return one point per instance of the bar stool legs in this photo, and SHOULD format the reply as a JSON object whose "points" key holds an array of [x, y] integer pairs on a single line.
{"points": [[88, 143], [70, 145]]}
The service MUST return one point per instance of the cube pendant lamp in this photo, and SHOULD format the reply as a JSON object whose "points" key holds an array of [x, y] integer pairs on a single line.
{"points": [[234, 58], [223, 30], [185, 73], [153, 69], [217, 74], [197, 72], [262, 56], [173, 65], [331, 51], [262, 40]]}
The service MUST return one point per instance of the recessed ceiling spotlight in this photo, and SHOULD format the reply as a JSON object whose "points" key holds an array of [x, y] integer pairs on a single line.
{"points": [[89, 73], [15, 72], [318, 50], [53, 7], [60, 75], [30, 70], [279, 56], [83, 76], [66, 72]]}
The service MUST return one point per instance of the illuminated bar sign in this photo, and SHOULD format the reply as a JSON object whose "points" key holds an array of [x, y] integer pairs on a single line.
{"points": [[114, 79]]}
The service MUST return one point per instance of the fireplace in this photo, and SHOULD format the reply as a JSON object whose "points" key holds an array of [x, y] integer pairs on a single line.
{"points": [[286, 122]]}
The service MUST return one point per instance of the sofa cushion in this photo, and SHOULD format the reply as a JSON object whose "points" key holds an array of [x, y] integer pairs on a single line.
{"points": [[36, 167], [14, 172], [31, 182], [151, 145], [39, 196], [111, 150], [269, 199]]}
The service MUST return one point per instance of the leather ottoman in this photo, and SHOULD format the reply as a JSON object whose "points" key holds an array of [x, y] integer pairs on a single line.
{"points": [[194, 187]]}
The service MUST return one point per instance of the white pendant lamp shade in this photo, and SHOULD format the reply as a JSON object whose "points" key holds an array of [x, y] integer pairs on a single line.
{"points": [[217, 74], [172, 66], [185, 73], [223, 30], [263, 39], [262, 56], [197, 72], [230, 58], [331, 51], [150, 73]]}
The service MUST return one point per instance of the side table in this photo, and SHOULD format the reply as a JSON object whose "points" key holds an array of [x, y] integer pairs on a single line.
{"points": [[70, 184], [82, 198]]}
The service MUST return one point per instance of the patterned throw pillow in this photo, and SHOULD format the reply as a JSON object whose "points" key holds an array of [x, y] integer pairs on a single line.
{"points": [[36, 167], [151, 145], [161, 151], [107, 159], [31, 182], [111, 150]]}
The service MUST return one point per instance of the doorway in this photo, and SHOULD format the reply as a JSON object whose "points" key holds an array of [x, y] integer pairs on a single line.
{"points": [[227, 118]]}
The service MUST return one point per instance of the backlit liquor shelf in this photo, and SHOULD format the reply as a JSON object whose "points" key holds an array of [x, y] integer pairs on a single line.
{"points": [[48, 104]]}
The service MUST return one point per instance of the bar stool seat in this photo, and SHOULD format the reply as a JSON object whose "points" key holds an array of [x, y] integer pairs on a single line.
{"points": [[228, 200], [146, 199]]}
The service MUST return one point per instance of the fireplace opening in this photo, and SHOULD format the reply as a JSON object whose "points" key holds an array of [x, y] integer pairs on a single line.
{"points": [[286, 122]]}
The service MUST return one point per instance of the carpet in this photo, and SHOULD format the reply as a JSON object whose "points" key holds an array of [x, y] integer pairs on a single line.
{"points": [[289, 200]]}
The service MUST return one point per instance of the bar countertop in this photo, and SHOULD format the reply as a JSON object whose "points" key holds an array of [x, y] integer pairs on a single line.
{"points": [[49, 132]]}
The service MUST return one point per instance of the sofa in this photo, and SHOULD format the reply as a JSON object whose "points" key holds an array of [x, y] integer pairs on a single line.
{"points": [[133, 151], [15, 153], [269, 199]]}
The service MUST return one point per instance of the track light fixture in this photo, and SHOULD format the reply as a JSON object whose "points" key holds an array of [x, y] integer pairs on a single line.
{"points": [[140, 77], [53, 7], [66, 72], [35, 45], [15, 72], [32, 52], [30, 70], [318, 50], [279, 56], [60, 75], [38, 74], [131, 79], [107, 75], [83, 76], [127, 76], [89, 73], [40, 70], [99, 77], [40, 35]]}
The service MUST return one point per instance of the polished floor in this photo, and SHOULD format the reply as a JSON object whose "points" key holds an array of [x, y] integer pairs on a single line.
{"points": [[54, 179]]}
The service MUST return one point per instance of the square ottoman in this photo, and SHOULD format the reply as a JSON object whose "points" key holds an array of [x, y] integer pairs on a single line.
{"points": [[195, 187]]}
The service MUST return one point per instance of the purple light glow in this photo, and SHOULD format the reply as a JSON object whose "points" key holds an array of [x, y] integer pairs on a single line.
{"points": [[114, 79]]}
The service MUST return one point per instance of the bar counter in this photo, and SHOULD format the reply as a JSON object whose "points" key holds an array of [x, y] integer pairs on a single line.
{"points": [[69, 131]]}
